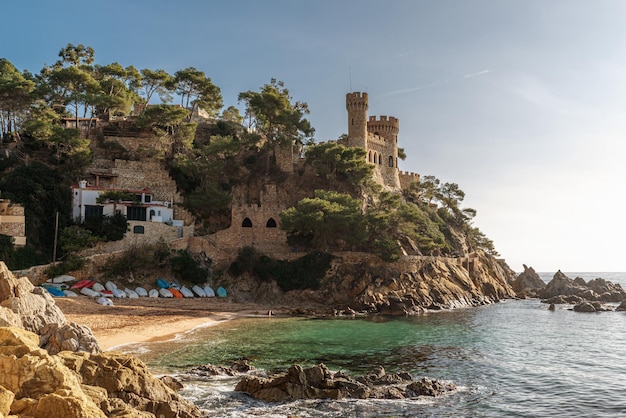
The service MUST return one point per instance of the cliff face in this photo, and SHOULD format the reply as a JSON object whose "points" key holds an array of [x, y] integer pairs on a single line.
{"points": [[415, 284], [363, 282]]}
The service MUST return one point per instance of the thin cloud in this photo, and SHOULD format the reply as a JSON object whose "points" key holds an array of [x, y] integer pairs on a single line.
{"points": [[472, 75], [435, 84]]}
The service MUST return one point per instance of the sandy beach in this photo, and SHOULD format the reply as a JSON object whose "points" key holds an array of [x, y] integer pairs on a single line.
{"points": [[147, 319]]}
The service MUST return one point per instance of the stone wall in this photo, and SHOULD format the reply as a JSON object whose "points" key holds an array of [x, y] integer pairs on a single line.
{"points": [[13, 221], [406, 178]]}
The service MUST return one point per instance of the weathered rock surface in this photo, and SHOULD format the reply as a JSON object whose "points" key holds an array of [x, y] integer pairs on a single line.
{"points": [[527, 283], [77, 384], [358, 282], [33, 309], [562, 289], [320, 383]]}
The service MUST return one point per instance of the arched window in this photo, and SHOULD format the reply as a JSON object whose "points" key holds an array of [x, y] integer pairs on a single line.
{"points": [[369, 157], [152, 213], [380, 159], [390, 161], [271, 223], [247, 223]]}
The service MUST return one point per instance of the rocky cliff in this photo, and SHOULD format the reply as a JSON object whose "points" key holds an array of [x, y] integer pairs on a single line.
{"points": [[363, 282]]}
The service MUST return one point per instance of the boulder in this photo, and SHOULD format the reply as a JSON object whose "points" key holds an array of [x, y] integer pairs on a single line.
{"points": [[320, 383], [33, 309], [584, 307], [559, 285], [621, 307], [35, 383]]}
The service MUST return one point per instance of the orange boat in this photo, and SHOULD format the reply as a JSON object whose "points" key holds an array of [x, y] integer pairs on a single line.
{"points": [[175, 292]]}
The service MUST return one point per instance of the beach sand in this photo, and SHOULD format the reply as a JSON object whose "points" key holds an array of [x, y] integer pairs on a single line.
{"points": [[147, 320]]}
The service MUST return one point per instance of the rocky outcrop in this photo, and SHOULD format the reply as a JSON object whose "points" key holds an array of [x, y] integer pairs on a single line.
{"points": [[413, 284], [594, 306], [320, 383], [562, 289], [33, 309], [78, 384], [527, 283]]}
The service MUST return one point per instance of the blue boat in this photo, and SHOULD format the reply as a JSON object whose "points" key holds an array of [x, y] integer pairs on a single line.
{"points": [[221, 292], [56, 292], [162, 284]]}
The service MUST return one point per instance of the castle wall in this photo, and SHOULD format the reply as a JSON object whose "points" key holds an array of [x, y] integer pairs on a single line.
{"points": [[406, 178]]}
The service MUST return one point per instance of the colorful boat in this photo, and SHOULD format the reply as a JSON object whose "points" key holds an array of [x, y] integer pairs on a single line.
{"points": [[161, 283], [175, 292], [82, 283], [221, 292], [56, 292]]}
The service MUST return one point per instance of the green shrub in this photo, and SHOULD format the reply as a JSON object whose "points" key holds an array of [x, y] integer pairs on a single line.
{"points": [[187, 268]]}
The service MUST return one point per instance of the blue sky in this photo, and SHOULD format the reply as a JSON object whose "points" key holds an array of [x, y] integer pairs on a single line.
{"points": [[521, 103]]}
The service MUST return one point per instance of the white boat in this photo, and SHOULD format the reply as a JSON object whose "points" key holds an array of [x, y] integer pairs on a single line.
{"points": [[64, 278], [110, 286], [186, 292], [104, 301], [98, 287], [153, 293], [70, 293], [118, 293], [141, 292], [165, 293], [199, 291], [210, 293], [131, 293], [89, 292]]}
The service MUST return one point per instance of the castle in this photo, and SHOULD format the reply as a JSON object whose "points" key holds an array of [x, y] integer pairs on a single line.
{"points": [[379, 138]]}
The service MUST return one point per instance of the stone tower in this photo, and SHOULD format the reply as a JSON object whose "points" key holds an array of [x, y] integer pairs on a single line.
{"points": [[356, 104], [387, 128]]}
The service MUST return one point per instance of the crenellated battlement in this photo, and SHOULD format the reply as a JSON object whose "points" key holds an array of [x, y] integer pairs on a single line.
{"points": [[384, 125], [357, 101], [406, 178]]}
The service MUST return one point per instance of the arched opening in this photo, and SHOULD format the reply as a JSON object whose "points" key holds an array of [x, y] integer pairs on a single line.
{"points": [[375, 157], [247, 223], [271, 223], [369, 156], [152, 213], [380, 159], [390, 161]]}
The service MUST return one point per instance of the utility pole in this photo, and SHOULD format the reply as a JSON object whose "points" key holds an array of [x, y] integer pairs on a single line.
{"points": [[56, 233]]}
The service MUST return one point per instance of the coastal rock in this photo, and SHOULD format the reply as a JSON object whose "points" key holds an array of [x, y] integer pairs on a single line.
{"points": [[584, 307], [83, 385], [33, 309], [127, 380], [562, 289], [527, 283], [411, 285], [621, 307], [320, 383], [237, 367]]}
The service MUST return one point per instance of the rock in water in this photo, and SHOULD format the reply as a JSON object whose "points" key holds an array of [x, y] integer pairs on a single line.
{"points": [[320, 383], [527, 283]]}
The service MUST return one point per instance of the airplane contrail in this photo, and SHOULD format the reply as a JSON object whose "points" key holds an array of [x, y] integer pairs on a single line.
{"points": [[435, 84]]}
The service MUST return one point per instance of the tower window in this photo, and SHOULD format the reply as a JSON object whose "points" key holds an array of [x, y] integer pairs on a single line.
{"points": [[390, 161], [271, 223], [247, 223], [353, 121]]}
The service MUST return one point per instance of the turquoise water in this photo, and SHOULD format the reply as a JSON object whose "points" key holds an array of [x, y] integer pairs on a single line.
{"points": [[513, 358]]}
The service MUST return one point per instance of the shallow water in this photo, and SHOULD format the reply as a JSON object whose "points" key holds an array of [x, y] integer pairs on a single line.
{"points": [[513, 358]]}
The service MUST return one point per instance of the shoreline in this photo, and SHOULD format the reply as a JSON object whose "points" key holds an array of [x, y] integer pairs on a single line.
{"points": [[147, 320]]}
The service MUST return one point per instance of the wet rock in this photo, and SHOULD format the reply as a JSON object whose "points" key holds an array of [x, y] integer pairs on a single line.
{"points": [[584, 307], [562, 289], [238, 367], [320, 383], [552, 307], [621, 307]]}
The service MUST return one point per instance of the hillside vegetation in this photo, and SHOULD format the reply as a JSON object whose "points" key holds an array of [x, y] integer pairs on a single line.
{"points": [[334, 204]]}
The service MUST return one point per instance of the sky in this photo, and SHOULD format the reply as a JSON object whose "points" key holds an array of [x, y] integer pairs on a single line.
{"points": [[521, 103]]}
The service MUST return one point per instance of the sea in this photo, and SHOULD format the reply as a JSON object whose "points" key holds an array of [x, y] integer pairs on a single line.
{"points": [[514, 358]]}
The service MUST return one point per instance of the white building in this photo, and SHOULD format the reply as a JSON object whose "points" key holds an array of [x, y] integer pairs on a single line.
{"points": [[143, 208]]}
